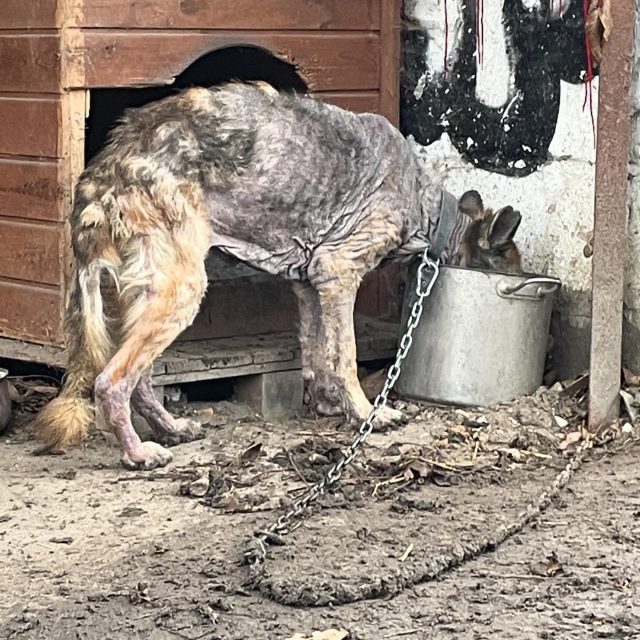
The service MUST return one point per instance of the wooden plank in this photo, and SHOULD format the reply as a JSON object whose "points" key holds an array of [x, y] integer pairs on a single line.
{"points": [[331, 61], [244, 307], [261, 305], [43, 354], [358, 101], [390, 60], [611, 210], [29, 127], [30, 252], [232, 14], [73, 117], [225, 372], [276, 352], [30, 63], [390, 291], [30, 189], [30, 312], [28, 14]]}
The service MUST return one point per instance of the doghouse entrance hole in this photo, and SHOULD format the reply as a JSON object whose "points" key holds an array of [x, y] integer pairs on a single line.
{"points": [[246, 63], [269, 308]]}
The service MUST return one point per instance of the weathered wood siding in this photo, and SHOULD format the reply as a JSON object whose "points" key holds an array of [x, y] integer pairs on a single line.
{"points": [[50, 50], [31, 194]]}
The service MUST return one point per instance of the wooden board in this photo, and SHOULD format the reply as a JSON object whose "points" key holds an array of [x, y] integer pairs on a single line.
{"points": [[390, 60], [21, 350], [74, 110], [30, 189], [28, 14], [29, 63], [359, 101], [30, 312], [261, 304], [30, 252], [249, 355], [245, 306], [231, 14], [29, 126], [331, 61]]}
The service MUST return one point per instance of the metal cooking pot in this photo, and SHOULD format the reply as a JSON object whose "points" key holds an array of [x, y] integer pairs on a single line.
{"points": [[482, 338], [5, 400]]}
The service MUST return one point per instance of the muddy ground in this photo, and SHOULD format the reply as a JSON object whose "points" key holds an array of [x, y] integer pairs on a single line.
{"points": [[90, 550]]}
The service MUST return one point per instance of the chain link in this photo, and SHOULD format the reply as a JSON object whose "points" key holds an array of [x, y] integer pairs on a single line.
{"points": [[287, 522]]}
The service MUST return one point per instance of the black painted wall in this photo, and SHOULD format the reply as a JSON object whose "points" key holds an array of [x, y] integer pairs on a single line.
{"points": [[513, 139]]}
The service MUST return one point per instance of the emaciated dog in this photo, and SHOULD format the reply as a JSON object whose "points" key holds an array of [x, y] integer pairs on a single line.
{"points": [[293, 186]]}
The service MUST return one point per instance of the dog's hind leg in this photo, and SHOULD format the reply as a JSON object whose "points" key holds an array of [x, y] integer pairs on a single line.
{"points": [[167, 430], [164, 285]]}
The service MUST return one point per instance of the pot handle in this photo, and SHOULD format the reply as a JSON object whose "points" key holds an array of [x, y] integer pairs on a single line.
{"points": [[544, 286]]}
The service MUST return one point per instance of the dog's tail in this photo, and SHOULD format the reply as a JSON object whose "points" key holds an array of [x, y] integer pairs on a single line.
{"points": [[66, 419]]}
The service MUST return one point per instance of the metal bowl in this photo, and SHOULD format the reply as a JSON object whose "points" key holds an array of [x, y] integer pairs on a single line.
{"points": [[5, 400], [482, 338]]}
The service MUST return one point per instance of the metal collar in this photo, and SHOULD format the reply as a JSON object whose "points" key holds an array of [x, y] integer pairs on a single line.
{"points": [[446, 223]]}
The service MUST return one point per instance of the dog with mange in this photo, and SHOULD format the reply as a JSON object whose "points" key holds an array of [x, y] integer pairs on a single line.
{"points": [[285, 183]]}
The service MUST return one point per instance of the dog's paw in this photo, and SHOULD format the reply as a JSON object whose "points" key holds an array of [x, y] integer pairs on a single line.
{"points": [[184, 430], [189, 429], [388, 418], [148, 455], [329, 410]]}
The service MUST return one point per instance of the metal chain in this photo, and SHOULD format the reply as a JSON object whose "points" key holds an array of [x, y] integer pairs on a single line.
{"points": [[287, 522]]}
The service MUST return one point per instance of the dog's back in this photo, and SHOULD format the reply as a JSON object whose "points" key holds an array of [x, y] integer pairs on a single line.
{"points": [[276, 174]]}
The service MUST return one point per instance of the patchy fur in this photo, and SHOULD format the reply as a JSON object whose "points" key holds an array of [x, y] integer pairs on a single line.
{"points": [[296, 187]]}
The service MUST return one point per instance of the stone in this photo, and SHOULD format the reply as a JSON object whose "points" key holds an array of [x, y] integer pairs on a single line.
{"points": [[273, 395]]}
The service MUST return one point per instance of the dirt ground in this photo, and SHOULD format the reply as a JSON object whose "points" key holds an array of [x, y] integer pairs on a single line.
{"points": [[90, 550]]}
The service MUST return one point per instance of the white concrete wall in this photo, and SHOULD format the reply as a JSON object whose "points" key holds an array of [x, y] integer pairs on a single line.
{"points": [[556, 201], [631, 344]]}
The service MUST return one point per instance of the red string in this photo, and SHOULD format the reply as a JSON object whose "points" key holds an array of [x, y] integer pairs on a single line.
{"points": [[588, 87]]}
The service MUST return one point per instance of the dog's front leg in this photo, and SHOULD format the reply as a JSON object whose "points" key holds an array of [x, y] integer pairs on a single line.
{"points": [[313, 354], [337, 384]]}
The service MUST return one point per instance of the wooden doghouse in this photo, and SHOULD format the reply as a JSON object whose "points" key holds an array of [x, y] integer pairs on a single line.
{"points": [[69, 68]]}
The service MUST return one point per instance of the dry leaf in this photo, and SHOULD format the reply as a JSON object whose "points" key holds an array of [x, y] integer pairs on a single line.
{"points": [[598, 26], [571, 438], [459, 431], [561, 422], [605, 18], [251, 453], [199, 488], [575, 387], [373, 383], [69, 474], [233, 504], [629, 401], [553, 566], [330, 634], [515, 454], [417, 469]]}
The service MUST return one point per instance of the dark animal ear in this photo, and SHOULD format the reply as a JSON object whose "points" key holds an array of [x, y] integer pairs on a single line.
{"points": [[470, 203], [504, 225]]}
